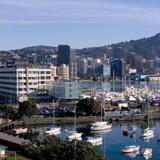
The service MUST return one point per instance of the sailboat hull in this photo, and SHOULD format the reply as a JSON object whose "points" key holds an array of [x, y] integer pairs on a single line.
{"points": [[99, 126]]}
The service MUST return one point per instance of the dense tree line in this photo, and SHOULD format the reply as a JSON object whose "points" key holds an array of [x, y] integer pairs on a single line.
{"points": [[54, 148], [87, 106], [26, 108]]}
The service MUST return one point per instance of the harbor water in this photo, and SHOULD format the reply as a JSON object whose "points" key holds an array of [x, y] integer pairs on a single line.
{"points": [[114, 141]]}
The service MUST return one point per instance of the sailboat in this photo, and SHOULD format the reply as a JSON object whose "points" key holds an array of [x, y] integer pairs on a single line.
{"points": [[53, 130], [131, 149], [148, 132], [72, 135], [101, 125], [94, 140]]}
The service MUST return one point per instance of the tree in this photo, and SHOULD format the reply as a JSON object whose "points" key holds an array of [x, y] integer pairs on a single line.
{"points": [[87, 106], [9, 111], [27, 108], [56, 149]]}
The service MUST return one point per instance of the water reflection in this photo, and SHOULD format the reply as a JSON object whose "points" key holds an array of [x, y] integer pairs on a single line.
{"points": [[131, 155], [114, 141]]}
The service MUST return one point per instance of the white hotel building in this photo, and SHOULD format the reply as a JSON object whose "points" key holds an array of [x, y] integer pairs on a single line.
{"points": [[17, 82]]}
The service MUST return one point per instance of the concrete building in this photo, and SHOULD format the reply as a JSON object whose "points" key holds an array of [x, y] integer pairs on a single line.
{"points": [[73, 65], [63, 72], [65, 90], [73, 70], [16, 82], [82, 67], [53, 72]]}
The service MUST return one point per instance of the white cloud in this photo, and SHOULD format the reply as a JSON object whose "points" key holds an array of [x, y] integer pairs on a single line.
{"points": [[73, 11]]}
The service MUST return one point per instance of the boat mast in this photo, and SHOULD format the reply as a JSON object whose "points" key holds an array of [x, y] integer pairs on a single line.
{"points": [[113, 81], [75, 123], [53, 112]]}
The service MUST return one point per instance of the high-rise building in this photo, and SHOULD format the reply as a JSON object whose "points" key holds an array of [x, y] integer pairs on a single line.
{"points": [[63, 55], [73, 70], [73, 65], [82, 67], [116, 69], [135, 62]]}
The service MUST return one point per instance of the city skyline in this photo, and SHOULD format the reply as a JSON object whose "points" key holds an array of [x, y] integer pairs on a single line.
{"points": [[79, 24]]}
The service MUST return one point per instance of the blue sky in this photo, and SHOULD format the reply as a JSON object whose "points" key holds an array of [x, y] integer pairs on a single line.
{"points": [[79, 23]]}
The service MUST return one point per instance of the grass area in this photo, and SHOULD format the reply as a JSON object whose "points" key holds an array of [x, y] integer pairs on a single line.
{"points": [[17, 158]]}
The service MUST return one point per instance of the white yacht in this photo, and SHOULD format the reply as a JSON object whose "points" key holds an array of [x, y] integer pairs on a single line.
{"points": [[100, 125], [146, 151], [147, 132], [94, 140], [131, 148], [53, 131]]}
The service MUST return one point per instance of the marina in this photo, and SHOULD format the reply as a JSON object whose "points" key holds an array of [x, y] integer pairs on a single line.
{"points": [[114, 141]]}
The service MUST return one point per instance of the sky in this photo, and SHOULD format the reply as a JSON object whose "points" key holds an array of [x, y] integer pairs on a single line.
{"points": [[78, 23]]}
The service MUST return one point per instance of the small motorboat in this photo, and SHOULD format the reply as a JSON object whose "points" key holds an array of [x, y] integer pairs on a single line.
{"points": [[53, 131], [94, 140], [131, 149]]}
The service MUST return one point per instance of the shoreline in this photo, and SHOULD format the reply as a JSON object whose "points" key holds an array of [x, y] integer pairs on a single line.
{"points": [[60, 120], [88, 119], [25, 122]]}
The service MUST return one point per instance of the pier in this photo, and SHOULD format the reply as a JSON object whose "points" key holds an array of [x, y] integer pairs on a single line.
{"points": [[12, 141]]}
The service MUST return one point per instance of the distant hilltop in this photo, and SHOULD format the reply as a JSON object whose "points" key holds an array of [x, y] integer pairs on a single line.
{"points": [[149, 48]]}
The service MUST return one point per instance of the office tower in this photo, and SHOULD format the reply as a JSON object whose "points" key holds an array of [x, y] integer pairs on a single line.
{"points": [[116, 69], [63, 56]]}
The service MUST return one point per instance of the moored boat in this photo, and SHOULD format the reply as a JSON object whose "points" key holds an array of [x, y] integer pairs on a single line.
{"points": [[146, 151], [94, 140], [100, 125], [131, 149], [147, 132], [20, 130], [53, 131]]}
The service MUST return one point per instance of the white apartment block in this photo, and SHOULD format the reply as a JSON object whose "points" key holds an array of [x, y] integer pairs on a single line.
{"points": [[16, 82]]}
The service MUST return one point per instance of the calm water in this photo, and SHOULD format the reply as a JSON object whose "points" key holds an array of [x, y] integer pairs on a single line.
{"points": [[118, 86], [114, 141]]}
